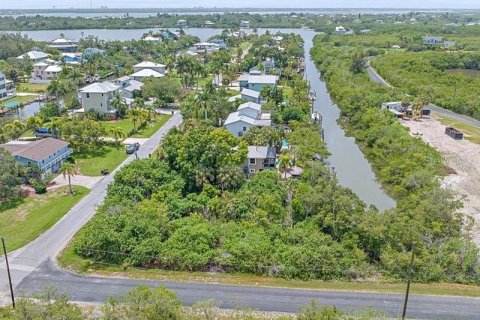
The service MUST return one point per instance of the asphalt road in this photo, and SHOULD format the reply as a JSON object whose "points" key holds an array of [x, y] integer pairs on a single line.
{"points": [[375, 77], [95, 289], [47, 245]]}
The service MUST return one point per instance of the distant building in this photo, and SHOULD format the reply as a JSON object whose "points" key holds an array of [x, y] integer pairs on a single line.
{"points": [[146, 73], [260, 158], [35, 56], [250, 95], [63, 45], [158, 67], [89, 52], [152, 39], [220, 43], [129, 88], [72, 58], [209, 24], [98, 97], [205, 47], [401, 110], [45, 71], [245, 24], [48, 154], [269, 65], [248, 115], [340, 30], [182, 23], [168, 35], [436, 41]]}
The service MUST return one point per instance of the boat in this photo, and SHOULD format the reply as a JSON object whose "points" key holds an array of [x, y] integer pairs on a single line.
{"points": [[316, 117]]}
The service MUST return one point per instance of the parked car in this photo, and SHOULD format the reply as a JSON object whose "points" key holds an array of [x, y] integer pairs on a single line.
{"points": [[132, 148]]}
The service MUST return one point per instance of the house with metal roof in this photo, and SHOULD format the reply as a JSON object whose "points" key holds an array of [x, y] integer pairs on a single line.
{"points": [[48, 154], [45, 71], [129, 88], [146, 73], [98, 97], [248, 115], [257, 82], [260, 158], [250, 95], [158, 67], [34, 55], [64, 45]]}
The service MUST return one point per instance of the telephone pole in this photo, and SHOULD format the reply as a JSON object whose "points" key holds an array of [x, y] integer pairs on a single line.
{"points": [[8, 272], [410, 271]]}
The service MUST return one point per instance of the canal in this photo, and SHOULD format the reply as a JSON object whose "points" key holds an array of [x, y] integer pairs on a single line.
{"points": [[352, 168]]}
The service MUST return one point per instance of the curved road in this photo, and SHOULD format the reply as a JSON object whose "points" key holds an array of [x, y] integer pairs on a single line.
{"points": [[377, 78]]}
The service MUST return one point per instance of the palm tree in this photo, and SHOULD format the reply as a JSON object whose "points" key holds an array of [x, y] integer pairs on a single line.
{"points": [[70, 170], [34, 123], [76, 77], [117, 133], [54, 126], [15, 128], [285, 162], [229, 178], [3, 135], [57, 88], [119, 104], [136, 116]]}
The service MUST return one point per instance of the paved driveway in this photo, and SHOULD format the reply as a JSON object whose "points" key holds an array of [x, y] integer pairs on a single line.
{"points": [[78, 180]]}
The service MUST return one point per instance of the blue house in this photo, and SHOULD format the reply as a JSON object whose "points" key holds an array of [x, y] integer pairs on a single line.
{"points": [[220, 43], [48, 154], [89, 52]]}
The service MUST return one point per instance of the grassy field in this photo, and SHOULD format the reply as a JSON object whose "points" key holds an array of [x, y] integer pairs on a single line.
{"points": [[32, 87], [69, 260], [145, 132], [472, 133], [110, 157], [25, 219]]}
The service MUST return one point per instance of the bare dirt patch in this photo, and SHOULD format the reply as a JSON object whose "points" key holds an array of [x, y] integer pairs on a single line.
{"points": [[462, 157]]}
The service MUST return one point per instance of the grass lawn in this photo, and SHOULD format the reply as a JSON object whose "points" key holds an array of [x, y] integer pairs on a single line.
{"points": [[146, 132], [19, 99], [68, 259], [25, 219], [90, 163], [32, 87], [472, 133]]}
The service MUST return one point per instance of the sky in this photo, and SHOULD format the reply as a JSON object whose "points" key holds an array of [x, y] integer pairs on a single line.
{"points": [[63, 4]]}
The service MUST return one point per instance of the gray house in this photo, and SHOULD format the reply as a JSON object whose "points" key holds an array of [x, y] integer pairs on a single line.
{"points": [[248, 115], [260, 158]]}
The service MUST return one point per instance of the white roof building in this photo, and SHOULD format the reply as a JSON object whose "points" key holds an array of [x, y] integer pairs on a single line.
{"points": [[146, 73], [100, 87], [34, 55], [148, 65]]}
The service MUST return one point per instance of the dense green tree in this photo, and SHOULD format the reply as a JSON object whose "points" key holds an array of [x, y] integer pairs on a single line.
{"points": [[9, 178]]}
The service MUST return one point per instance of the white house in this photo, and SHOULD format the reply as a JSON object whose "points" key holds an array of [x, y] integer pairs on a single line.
{"points": [[158, 67], [340, 30], [256, 82], [436, 41], [34, 55], [3, 87], [128, 87], [248, 115], [182, 23], [63, 45], [98, 97], [152, 39], [146, 73], [245, 24], [209, 24], [250, 95], [45, 71]]}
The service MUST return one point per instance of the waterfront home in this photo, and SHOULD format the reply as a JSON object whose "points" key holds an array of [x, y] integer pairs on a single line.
{"points": [[209, 24], [245, 24], [340, 30], [48, 154], [129, 88], [260, 158], [71, 58], [90, 52], [255, 80], [64, 45], [45, 71], [152, 39], [248, 115], [250, 95], [3, 87], [400, 110], [34, 56], [158, 67], [182, 23], [146, 73], [205, 47], [98, 97], [168, 35]]}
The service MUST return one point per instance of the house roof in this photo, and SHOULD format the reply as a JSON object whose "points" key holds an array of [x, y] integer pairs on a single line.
{"points": [[134, 85], [100, 87], [61, 41], [236, 117], [147, 73], [34, 55], [149, 64], [264, 79], [250, 93], [53, 68], [36, 150], [150, 38], [250, 105], [261, 152], [41, 64], [124, 78], [206, 44], [244, 77]]}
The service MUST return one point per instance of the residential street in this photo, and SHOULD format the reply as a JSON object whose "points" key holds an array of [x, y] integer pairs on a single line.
{"points": [[26, 259]]}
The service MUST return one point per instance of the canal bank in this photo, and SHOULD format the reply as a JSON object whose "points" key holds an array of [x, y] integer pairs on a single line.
{"points": [[352, 168]]}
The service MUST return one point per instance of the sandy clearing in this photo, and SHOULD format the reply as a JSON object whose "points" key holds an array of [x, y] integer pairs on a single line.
{"points": [[463, 156]]}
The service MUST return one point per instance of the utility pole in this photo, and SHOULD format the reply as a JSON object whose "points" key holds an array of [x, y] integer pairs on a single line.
{"points": [[410, 271], [8, 272]]}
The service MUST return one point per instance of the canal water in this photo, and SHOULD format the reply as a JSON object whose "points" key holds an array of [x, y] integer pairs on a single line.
{"points": [[352, 169]]}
